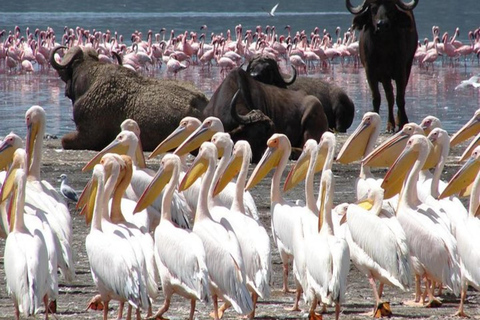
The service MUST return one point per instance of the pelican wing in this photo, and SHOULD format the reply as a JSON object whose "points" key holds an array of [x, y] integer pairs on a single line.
{"points": [[114, 268], [182, 253]]}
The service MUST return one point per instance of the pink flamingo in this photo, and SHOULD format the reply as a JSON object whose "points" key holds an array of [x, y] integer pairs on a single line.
{"points": [[432, 54], [174, 66], [466, 50]]}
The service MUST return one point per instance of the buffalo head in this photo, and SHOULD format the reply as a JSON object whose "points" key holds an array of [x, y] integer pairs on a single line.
{"points": [[383, 14], [266, 70], [74, 57]]}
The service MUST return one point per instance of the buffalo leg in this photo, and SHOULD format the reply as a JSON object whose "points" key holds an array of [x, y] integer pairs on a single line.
{"points": [[387, 86], [402, 118]]}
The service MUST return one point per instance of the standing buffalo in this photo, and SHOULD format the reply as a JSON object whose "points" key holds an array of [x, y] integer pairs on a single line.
{"points": [[104, 95], [338, 107], [294, 113], [388, 40]]}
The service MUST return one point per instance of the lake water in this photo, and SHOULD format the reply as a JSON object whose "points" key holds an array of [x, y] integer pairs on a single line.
{"points": [[429, 92]]}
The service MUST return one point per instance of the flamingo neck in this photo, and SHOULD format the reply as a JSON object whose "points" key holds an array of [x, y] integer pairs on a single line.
{"points": [[275, 192], [202, 203]]}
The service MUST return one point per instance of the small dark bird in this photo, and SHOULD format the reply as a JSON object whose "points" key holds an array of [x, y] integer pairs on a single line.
{"points": [[66, 190]]}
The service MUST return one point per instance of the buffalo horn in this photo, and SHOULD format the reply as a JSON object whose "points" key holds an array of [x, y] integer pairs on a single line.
{"points": [[358, 9], [118, 57], [233, 110], [67, 59], [292, 78], [407, 6]]}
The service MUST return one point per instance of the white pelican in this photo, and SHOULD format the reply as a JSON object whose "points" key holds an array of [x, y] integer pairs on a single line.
{"points": [[472, 127], [378, 246], [468, 230], [132, 125], [307, 162], [285, 215], [186, 127], [35, 219], [181, 263], [126, 143], [327, 256], [113, 263], [224, 258], [117, 215], [25, 257], [429, 123], [43, 195], [252, 236], [452, 206], [432, 247], [209, 127]]}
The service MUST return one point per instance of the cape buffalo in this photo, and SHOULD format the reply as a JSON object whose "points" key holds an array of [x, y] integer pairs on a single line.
{"points": [[104, 95], [338, 107], [294, 113], [388, 40]]}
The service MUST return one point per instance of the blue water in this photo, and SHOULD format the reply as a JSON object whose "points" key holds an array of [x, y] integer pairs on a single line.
{"points": [[429, 92]]}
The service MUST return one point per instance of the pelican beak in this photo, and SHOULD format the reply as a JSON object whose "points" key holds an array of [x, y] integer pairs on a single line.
{"points": [[195, 140], [171, 142], [393, 181], [11, 208], [270, 159], [472, 127], [298, 171], [156, 186], [196, 170], [114, 147], [9, 182], [89, 207], [32, 131], [83, 198], [365, 202], [6, 154], [354, 148], [321, 213], [139, 156], [468, 151], [462, 179], [385, 154], [233, 168]]}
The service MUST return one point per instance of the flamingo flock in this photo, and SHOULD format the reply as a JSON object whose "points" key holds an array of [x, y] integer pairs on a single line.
{"points": [[29, 51], [406, 228]]}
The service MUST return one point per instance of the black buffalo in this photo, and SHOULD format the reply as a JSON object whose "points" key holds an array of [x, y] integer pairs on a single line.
{"points": [[388, 40], [104, 95], [338, 107], [259, 109]]}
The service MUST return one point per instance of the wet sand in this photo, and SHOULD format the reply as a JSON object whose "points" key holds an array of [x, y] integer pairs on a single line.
{"points": [[73, 297]]}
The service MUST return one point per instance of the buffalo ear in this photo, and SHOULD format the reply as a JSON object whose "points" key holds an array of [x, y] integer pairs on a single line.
{"points": [[361, 19]]}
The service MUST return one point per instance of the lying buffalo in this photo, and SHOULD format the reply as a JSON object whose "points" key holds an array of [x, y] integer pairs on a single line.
{"points": [[104, 95], [294, 113], [338, 107]]}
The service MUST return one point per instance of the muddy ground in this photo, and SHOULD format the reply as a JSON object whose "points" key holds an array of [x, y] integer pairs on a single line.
{"points": [[73, 297]]}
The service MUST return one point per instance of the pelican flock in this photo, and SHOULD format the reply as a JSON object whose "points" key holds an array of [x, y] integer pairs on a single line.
{"points": [[151, 238]]}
